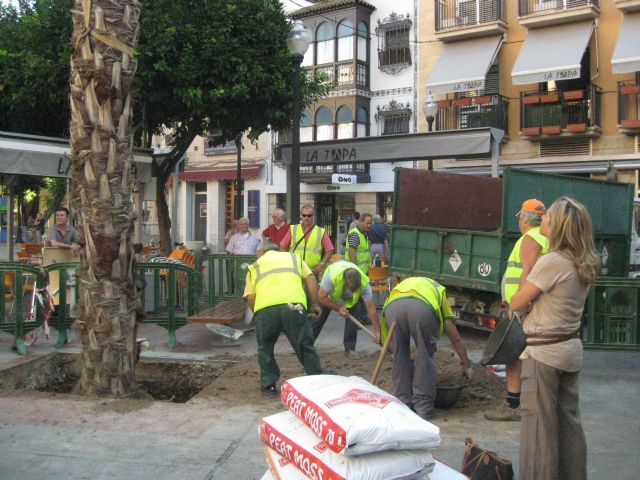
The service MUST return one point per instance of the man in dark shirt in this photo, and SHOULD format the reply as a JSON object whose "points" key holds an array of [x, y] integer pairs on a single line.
{"points": [[378, 239]]}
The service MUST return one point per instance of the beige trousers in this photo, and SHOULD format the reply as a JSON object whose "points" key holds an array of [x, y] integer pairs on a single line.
{"points": [[552, 442]]}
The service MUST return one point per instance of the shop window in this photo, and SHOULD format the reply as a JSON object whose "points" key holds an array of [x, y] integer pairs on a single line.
{"points": [[306, 127]]}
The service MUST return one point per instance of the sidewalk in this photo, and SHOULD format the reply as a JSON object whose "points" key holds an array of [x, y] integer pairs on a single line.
{"points": [[72, 437]]}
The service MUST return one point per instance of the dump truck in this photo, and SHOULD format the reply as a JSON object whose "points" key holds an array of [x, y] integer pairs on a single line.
{"points": [[460, 229]]}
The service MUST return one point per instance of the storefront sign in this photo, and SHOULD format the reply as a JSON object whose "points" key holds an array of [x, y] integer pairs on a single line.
{"points": [[340, 179]]}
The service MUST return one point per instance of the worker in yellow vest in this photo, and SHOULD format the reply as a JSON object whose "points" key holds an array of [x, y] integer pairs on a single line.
{"points": [[357, 244], [420, 309], [523, 257], [345, 289], [309, 241], [275, 292]]}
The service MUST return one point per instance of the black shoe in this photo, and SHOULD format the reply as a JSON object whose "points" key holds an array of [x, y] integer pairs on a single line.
{"points": [[271, 391], [411, 407]]}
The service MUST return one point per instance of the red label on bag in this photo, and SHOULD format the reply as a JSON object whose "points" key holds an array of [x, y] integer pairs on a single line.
{"points": [[314, 417], [304, 460], [357, 395]]}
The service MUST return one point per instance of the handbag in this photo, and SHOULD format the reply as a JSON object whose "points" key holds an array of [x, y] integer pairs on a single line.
{"points": [[481, 464]]}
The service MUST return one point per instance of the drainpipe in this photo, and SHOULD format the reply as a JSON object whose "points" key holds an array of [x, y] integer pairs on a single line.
{"points": [[174, 210]]}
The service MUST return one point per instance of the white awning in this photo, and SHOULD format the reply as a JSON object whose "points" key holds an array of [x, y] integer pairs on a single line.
{"points": [[552, 53], [463, 65], [626, 57]]}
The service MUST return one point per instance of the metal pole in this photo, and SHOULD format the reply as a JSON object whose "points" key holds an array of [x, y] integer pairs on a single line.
{"points": [[293, 172], [239, 202]]}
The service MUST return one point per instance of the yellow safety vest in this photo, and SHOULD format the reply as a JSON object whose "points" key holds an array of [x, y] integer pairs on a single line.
{"points": [[277, 279], [511, 280], [336, 272], [424, 289], [309, 250], [363, 257]]}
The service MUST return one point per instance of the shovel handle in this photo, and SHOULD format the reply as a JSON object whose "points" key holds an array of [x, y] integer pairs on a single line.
{"points": [[383, 352], [357, 322]]}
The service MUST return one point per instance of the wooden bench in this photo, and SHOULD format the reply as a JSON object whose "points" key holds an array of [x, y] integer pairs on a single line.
{"points": [[225, 312]]}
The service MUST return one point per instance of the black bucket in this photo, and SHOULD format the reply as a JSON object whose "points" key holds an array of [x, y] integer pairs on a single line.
{"points": [[505, 344]]}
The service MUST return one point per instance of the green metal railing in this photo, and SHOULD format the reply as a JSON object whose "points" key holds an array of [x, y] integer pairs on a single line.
{"points": [[19, 281], [175, 289], [223, 276], [64, 315]]}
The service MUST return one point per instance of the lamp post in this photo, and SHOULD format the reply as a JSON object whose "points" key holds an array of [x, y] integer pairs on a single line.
{"points": [[297, 42], [430, 109]]}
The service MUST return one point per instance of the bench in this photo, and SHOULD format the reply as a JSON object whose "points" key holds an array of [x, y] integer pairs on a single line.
{"points": [[226, 312]]}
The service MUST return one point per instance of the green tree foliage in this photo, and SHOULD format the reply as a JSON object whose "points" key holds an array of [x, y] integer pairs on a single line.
{"points": [[34, 67]]}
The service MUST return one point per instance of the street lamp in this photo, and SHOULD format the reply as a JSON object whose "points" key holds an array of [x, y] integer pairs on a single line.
{"points": [[430, 109], [297, 42]]}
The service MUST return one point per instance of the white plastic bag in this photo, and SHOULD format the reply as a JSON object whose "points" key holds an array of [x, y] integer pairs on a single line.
{"points": [[355, 417], [293, 440]]}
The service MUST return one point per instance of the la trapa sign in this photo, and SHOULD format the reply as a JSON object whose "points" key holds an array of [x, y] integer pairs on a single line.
{"points": [[340, 179]]}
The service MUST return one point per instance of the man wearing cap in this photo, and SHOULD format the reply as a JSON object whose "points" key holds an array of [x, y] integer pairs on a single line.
{"points": [[523, 257]]}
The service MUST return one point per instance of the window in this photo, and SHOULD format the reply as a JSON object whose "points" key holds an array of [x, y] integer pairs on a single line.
{"points": [[306, 127], [394, 118], [324, 124], [324, 44], [362, 122], [394, 52], [345, 40], [363, 36], [344, 118]]}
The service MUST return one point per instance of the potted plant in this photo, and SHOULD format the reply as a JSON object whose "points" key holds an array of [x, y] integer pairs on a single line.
{"points": [[530, 131], [530, 99], [630, 89], [550, 97], [461, 102], [551, 130], [482, 100], [573, 95], [577, 127]]}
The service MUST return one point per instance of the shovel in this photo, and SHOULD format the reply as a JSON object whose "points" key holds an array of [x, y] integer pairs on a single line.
{"points": [[383, 352], [360, 325], [227, 332]]}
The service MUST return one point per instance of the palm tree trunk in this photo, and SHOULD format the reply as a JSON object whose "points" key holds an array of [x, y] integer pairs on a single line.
{"points": [[102, 71]]}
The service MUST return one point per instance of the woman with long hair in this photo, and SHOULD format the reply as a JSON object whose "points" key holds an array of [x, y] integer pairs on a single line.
{"points": [[552, 442]]}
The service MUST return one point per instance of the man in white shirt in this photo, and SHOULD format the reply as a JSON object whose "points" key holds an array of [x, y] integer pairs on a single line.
{"points": [[244, 242]]}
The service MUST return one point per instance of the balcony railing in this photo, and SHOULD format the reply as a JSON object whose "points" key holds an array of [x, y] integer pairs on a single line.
{"points": [[311, 173], [527, 7], [456, 13], [473, 112], [553, 113], [345, 74], [629, 105]]}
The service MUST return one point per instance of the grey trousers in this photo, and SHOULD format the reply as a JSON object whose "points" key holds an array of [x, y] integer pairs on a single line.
{"points": [[552, 442], [414, 382]]}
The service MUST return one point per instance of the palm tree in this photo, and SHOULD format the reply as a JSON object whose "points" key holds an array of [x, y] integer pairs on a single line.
{"points": [[105, 34]]}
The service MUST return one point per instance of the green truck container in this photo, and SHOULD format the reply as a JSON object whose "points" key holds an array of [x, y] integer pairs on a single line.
{"points": [[460, 229]]}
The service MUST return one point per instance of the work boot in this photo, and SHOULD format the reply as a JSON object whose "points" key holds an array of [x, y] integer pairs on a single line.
{"points": [[351, 354], [504, 413], [271, 391]]}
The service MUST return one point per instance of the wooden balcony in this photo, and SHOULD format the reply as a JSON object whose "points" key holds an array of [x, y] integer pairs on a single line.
{"points": [[344, 74], [569, 113], [473, 112], [541, 13], [629, 107], [457, 20]]}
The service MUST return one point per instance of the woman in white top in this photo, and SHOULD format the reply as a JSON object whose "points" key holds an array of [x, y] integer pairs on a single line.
{"points": [[552, 442]]}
